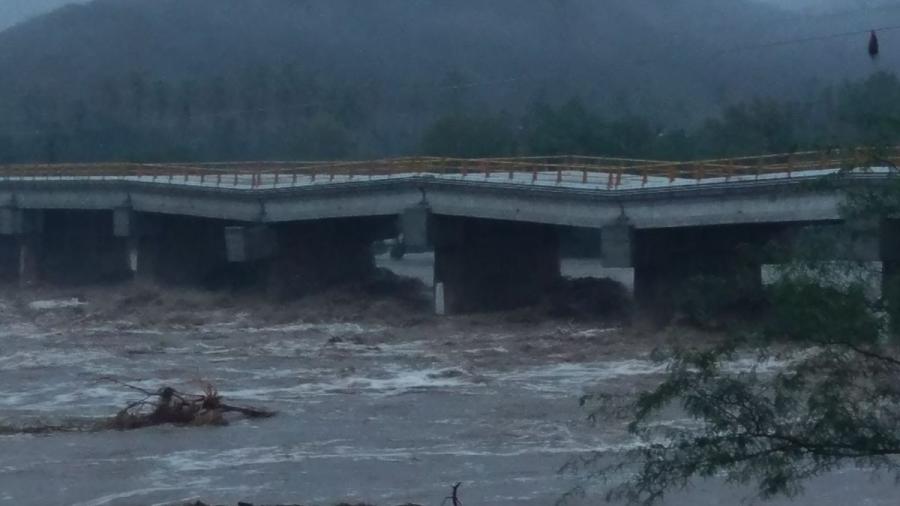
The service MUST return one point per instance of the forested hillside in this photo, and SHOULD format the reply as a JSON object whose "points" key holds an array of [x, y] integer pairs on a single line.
{"points": [[278, 79]]}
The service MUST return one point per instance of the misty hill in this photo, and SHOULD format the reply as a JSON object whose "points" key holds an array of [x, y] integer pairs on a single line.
{"points": [[391, 67]]}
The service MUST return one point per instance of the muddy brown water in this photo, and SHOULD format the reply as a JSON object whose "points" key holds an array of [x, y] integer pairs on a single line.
{"points": [[382, 412]]}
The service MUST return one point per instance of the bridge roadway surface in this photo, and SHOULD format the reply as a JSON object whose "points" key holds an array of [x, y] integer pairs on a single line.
{"points": [[558, 197]]}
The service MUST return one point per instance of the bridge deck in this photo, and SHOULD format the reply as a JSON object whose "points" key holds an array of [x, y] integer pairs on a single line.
{"points": [[575, 172], [608, 181]]}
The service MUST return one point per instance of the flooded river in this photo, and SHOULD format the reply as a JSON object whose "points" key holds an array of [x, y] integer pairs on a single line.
{"points": [[386, 413]]}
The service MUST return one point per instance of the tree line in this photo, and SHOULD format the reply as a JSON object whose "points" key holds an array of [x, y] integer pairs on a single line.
{"points": [[863, 112], [268, 113]]}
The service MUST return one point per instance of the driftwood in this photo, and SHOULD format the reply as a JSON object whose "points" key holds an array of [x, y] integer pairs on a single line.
{"points": [[169, 406]]}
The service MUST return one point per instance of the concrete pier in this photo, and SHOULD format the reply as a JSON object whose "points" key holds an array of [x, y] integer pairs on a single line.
{"points": [[485, 265]]}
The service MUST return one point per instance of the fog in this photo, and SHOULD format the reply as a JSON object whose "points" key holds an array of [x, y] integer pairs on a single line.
{"points": [[225, 79], [16, 11]]}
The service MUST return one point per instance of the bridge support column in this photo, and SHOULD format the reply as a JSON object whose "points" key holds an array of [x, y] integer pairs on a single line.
{"points": [[21, 244], [617, 246], [29, 260], [125, 228], [142, 237], [249, 243], [485, 265], [414, 225]]}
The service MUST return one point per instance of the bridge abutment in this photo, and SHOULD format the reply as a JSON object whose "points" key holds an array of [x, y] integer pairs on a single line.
{"points": [[485, 265]]}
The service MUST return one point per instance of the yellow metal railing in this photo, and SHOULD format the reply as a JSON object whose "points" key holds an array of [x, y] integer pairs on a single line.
{"points": [[613, 173]]}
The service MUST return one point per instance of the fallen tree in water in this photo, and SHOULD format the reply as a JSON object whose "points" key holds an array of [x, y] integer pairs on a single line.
{"points": [[161, 407], [169, 406]]}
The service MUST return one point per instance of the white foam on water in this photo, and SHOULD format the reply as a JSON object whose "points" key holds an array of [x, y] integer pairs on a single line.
{"points": [[201, 461], [378, 350], [768, 365], [492, 349], [406, 380], [395, 381], [332, 329], [121, 497], [21, 330], [594, 332], [41, 305], [309, 346], [289, 347], [31, 359], [67, 396], [568, 378]]}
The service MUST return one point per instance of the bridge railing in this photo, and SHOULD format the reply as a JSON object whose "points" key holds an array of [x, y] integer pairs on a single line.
{"points": [[611, 173]]}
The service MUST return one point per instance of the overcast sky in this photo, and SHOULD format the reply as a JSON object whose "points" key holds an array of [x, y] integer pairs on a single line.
{"points": [[14, 11]]}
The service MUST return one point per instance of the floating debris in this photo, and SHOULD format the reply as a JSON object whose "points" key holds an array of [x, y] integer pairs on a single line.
{"points": [[169, 406]]}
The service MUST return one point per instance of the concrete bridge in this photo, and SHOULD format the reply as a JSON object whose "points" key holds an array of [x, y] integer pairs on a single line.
{"points": [[495, 224]]}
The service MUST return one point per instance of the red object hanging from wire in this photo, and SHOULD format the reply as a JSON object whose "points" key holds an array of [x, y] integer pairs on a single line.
{"points": [[873, 45]]}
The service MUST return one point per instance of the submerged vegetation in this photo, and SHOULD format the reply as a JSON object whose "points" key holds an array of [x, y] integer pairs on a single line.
{"points": [[163, 406]]}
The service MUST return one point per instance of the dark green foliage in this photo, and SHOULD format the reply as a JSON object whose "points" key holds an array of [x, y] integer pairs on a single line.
{"points": [[284, 113], [710, 301], [892, 304], [469, 137], [817, 389], [805, 310], [828, 407]]}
